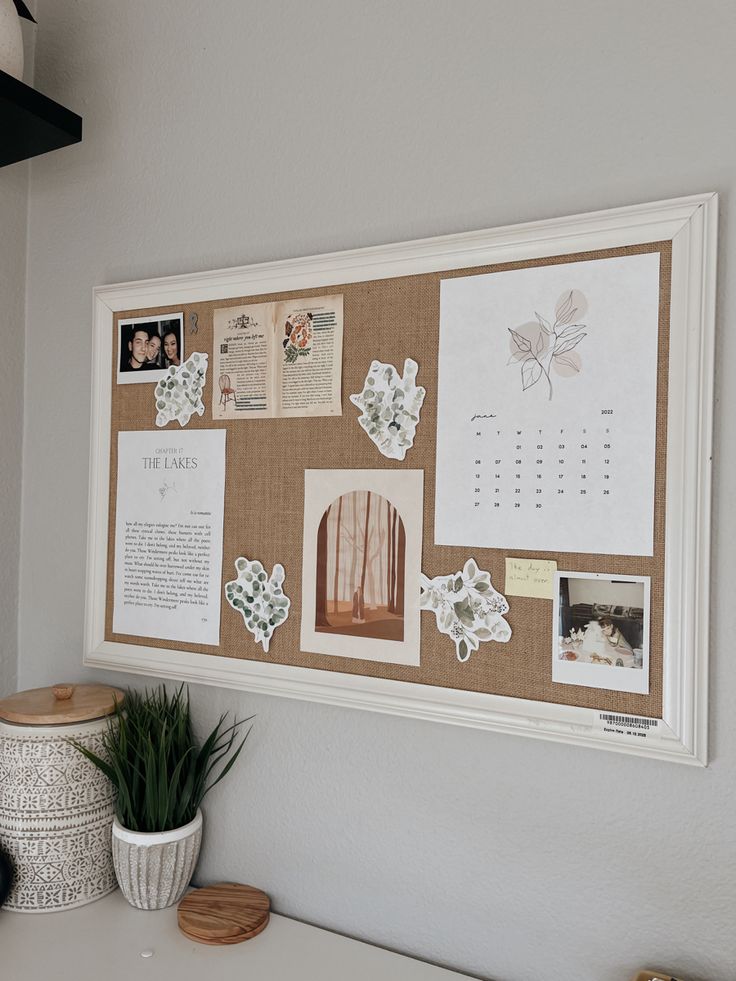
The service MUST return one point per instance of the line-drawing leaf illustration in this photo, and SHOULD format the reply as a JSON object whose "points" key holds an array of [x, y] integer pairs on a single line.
{"points": [[568, 344], [542, 347], [531, 372], [522, 343]]}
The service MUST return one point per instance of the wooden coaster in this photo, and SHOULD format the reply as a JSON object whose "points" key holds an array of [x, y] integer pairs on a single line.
{"points": [[227, 913]]}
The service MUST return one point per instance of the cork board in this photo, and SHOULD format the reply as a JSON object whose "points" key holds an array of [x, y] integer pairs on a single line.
{"points": [[264, 495]]}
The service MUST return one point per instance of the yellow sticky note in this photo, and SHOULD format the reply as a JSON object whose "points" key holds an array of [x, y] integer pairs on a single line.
{"points": [[530, 577]]}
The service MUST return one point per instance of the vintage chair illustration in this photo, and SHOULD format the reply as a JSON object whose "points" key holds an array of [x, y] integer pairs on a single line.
{"points": [[226, 392]]}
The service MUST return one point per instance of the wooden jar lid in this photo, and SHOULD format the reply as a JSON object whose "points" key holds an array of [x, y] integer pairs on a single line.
{"points": [[227, 913], [60, 704]]}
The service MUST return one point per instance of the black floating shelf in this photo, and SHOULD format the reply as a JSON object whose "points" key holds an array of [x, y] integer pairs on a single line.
{"points": [[30, 123]]}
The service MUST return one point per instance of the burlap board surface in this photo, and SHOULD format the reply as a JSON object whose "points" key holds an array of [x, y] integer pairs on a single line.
{"points": [[388, 320]]}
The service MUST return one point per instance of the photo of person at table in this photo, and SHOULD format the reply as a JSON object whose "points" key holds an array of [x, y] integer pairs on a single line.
{"points": [[601, 621], [614, 636]]}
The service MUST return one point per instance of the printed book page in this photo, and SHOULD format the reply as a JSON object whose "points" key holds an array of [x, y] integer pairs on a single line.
{"points": [[547, 407], [278, 359], [168, 535]]}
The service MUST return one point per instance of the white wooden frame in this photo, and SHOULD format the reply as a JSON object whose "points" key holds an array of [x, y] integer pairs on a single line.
{"points": [[681, 735]]}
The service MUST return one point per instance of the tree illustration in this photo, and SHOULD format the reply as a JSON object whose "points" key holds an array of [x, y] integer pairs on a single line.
{"points": [[392, 582], [400, 568], [320, 619], [365, 544], [379, 555], [388, 555], [354, 544], [337, 559]]}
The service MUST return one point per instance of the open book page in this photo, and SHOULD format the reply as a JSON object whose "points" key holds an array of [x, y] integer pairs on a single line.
{"points": [[241, 371], [278, 359], [308, 356]]}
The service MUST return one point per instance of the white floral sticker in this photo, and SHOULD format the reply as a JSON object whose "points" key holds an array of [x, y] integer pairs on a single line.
{"points": [[179, 393], [259, 598], [467, 607], [390, 405]]}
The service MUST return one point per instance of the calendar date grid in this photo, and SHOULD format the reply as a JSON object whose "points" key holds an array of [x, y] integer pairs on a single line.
{"points": [[532, 468]]}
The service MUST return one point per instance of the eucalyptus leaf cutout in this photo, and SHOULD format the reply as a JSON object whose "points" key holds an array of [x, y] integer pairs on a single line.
{"points": [[467, 608], [259, 598], [179, 393], [390, 404]]}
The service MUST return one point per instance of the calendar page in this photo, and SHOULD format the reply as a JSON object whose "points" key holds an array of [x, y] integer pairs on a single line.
{"points": [[547, 407]]}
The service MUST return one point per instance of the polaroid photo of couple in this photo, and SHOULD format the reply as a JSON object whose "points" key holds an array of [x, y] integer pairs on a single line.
{"points": [[149, 346]]}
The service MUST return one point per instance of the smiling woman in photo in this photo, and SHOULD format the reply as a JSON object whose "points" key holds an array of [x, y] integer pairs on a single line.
{"points": [[171, 349]]}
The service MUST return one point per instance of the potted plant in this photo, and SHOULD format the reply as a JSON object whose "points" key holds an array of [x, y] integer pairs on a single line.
{"points": [[161, 774]]}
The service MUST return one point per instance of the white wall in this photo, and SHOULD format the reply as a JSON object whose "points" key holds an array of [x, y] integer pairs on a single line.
{"points": [[13, 225], [13, 214], [223, 134]]}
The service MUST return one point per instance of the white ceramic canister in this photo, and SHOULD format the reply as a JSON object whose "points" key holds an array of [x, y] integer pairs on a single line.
{"points": [[56, 808]]}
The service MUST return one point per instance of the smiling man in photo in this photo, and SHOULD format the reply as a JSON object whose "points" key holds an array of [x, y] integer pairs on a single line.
{"points": [[138, 347]]}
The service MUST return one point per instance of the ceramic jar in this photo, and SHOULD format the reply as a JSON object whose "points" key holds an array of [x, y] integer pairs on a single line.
{"points": [[155, 868], [56, 808]]}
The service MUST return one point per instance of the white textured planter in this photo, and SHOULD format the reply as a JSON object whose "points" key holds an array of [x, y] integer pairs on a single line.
{"points": [[11, 40], [154, 870]]}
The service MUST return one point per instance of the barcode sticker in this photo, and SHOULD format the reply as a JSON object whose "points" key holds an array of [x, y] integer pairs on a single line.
{"points": [[627, 725]]}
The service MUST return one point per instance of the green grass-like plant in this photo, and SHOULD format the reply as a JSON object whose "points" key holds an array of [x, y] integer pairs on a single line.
{"points": [[153, 760]]}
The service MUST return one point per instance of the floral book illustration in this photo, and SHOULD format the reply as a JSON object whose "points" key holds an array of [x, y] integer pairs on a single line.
{"points": [[298, 335], [543, 347]]}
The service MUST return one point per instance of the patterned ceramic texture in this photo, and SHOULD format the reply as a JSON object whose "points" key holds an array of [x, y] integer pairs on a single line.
{"points": [[56, 813], [154, 872]]}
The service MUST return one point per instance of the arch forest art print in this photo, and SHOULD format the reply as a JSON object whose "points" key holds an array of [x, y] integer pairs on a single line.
{"points": [[361, 559], [361, 564]]}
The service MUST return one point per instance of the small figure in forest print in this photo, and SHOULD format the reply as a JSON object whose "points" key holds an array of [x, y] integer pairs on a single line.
{"points": [[358, 610]]}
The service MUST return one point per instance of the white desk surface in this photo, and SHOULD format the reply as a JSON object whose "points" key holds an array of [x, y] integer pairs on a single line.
{"points": [[104, 941]]}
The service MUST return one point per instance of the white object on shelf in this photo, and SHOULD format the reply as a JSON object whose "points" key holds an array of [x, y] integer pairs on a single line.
{"points": [[109, 938]]}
